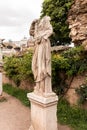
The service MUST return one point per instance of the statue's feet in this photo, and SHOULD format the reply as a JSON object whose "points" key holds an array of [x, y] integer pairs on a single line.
{"points": [[36, 90], [41, 92], [49, 94]]}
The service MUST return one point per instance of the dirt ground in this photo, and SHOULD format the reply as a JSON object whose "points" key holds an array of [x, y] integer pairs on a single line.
{"points": [[15, 116]]}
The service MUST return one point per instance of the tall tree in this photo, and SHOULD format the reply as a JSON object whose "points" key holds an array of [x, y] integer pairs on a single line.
{"points": [[58, 11]]}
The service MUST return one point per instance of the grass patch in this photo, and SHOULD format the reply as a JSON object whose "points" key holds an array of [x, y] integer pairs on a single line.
{"points": [[18, 93], [72, 116]]}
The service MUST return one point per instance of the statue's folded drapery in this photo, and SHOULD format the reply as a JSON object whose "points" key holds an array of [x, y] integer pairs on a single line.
{"points": [[41, 62]]}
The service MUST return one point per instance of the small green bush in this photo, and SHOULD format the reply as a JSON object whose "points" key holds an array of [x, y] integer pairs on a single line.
{"points": [[25, 70], [19, 68], [75, 59], [59, 65], [11, 67], [82, 92], [69, 64]]}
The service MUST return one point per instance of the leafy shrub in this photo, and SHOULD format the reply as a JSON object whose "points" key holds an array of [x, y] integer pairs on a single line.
{"points": [[82, 92], [19, 68], [64, 65], [25, 71], [58, 73], [69, 64], [11, 66], [75, 60]]}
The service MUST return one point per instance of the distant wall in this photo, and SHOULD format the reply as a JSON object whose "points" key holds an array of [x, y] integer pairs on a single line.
{"points": [[24, 84], [71, 94], [5, 80]]}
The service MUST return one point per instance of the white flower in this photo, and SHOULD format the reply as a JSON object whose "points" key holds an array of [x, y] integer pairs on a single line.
{"points": [[82, 86]]}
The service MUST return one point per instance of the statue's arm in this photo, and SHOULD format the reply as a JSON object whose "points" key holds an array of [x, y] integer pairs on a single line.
{"points": [[48, 32]]}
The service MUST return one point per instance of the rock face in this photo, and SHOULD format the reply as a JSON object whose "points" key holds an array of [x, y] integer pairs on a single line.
{"points": [[77, 19]]}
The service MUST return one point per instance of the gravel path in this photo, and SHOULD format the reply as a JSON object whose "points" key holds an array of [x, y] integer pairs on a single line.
{"points": [[15, 116]]}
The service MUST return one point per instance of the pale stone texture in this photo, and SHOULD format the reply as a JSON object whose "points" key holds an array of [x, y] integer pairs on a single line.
{"points": [[43, 100], [40, 31], [77, 19], [43, 112]]}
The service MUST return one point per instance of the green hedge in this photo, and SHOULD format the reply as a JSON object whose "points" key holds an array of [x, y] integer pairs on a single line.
{"points": [[19, 68], [69, 63]]}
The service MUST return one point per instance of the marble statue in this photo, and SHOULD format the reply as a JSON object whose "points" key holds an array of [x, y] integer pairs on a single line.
{"points": [[40, 31]]}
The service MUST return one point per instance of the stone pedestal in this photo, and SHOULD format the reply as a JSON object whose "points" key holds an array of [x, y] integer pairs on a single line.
{"points": [[43, 112]]}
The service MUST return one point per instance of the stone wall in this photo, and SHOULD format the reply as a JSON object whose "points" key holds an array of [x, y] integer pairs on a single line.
{"points": [[6, 80], [71, 94], [77, 19], [23, 85]]}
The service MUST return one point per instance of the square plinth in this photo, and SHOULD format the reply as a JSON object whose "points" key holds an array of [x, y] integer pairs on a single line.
{"points": [[43, 112]]}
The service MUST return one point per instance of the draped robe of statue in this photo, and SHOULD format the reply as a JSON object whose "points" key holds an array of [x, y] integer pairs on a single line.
{"points": [[41, 62]]}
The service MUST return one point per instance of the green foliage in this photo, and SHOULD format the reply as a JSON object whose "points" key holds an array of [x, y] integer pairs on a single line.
{"points": [[72, 116], [25, 71], [19, 68], [58, 11], [82, 92], [65, 65], [11, 67], [18, 93], [59, 65], [76, 59]]}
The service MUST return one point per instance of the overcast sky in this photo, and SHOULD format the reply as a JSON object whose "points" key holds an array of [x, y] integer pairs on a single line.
{"points": [[16, 17]]}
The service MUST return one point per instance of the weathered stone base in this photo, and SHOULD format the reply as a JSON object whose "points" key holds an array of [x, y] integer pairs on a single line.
{"points": [[43, 112]]}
